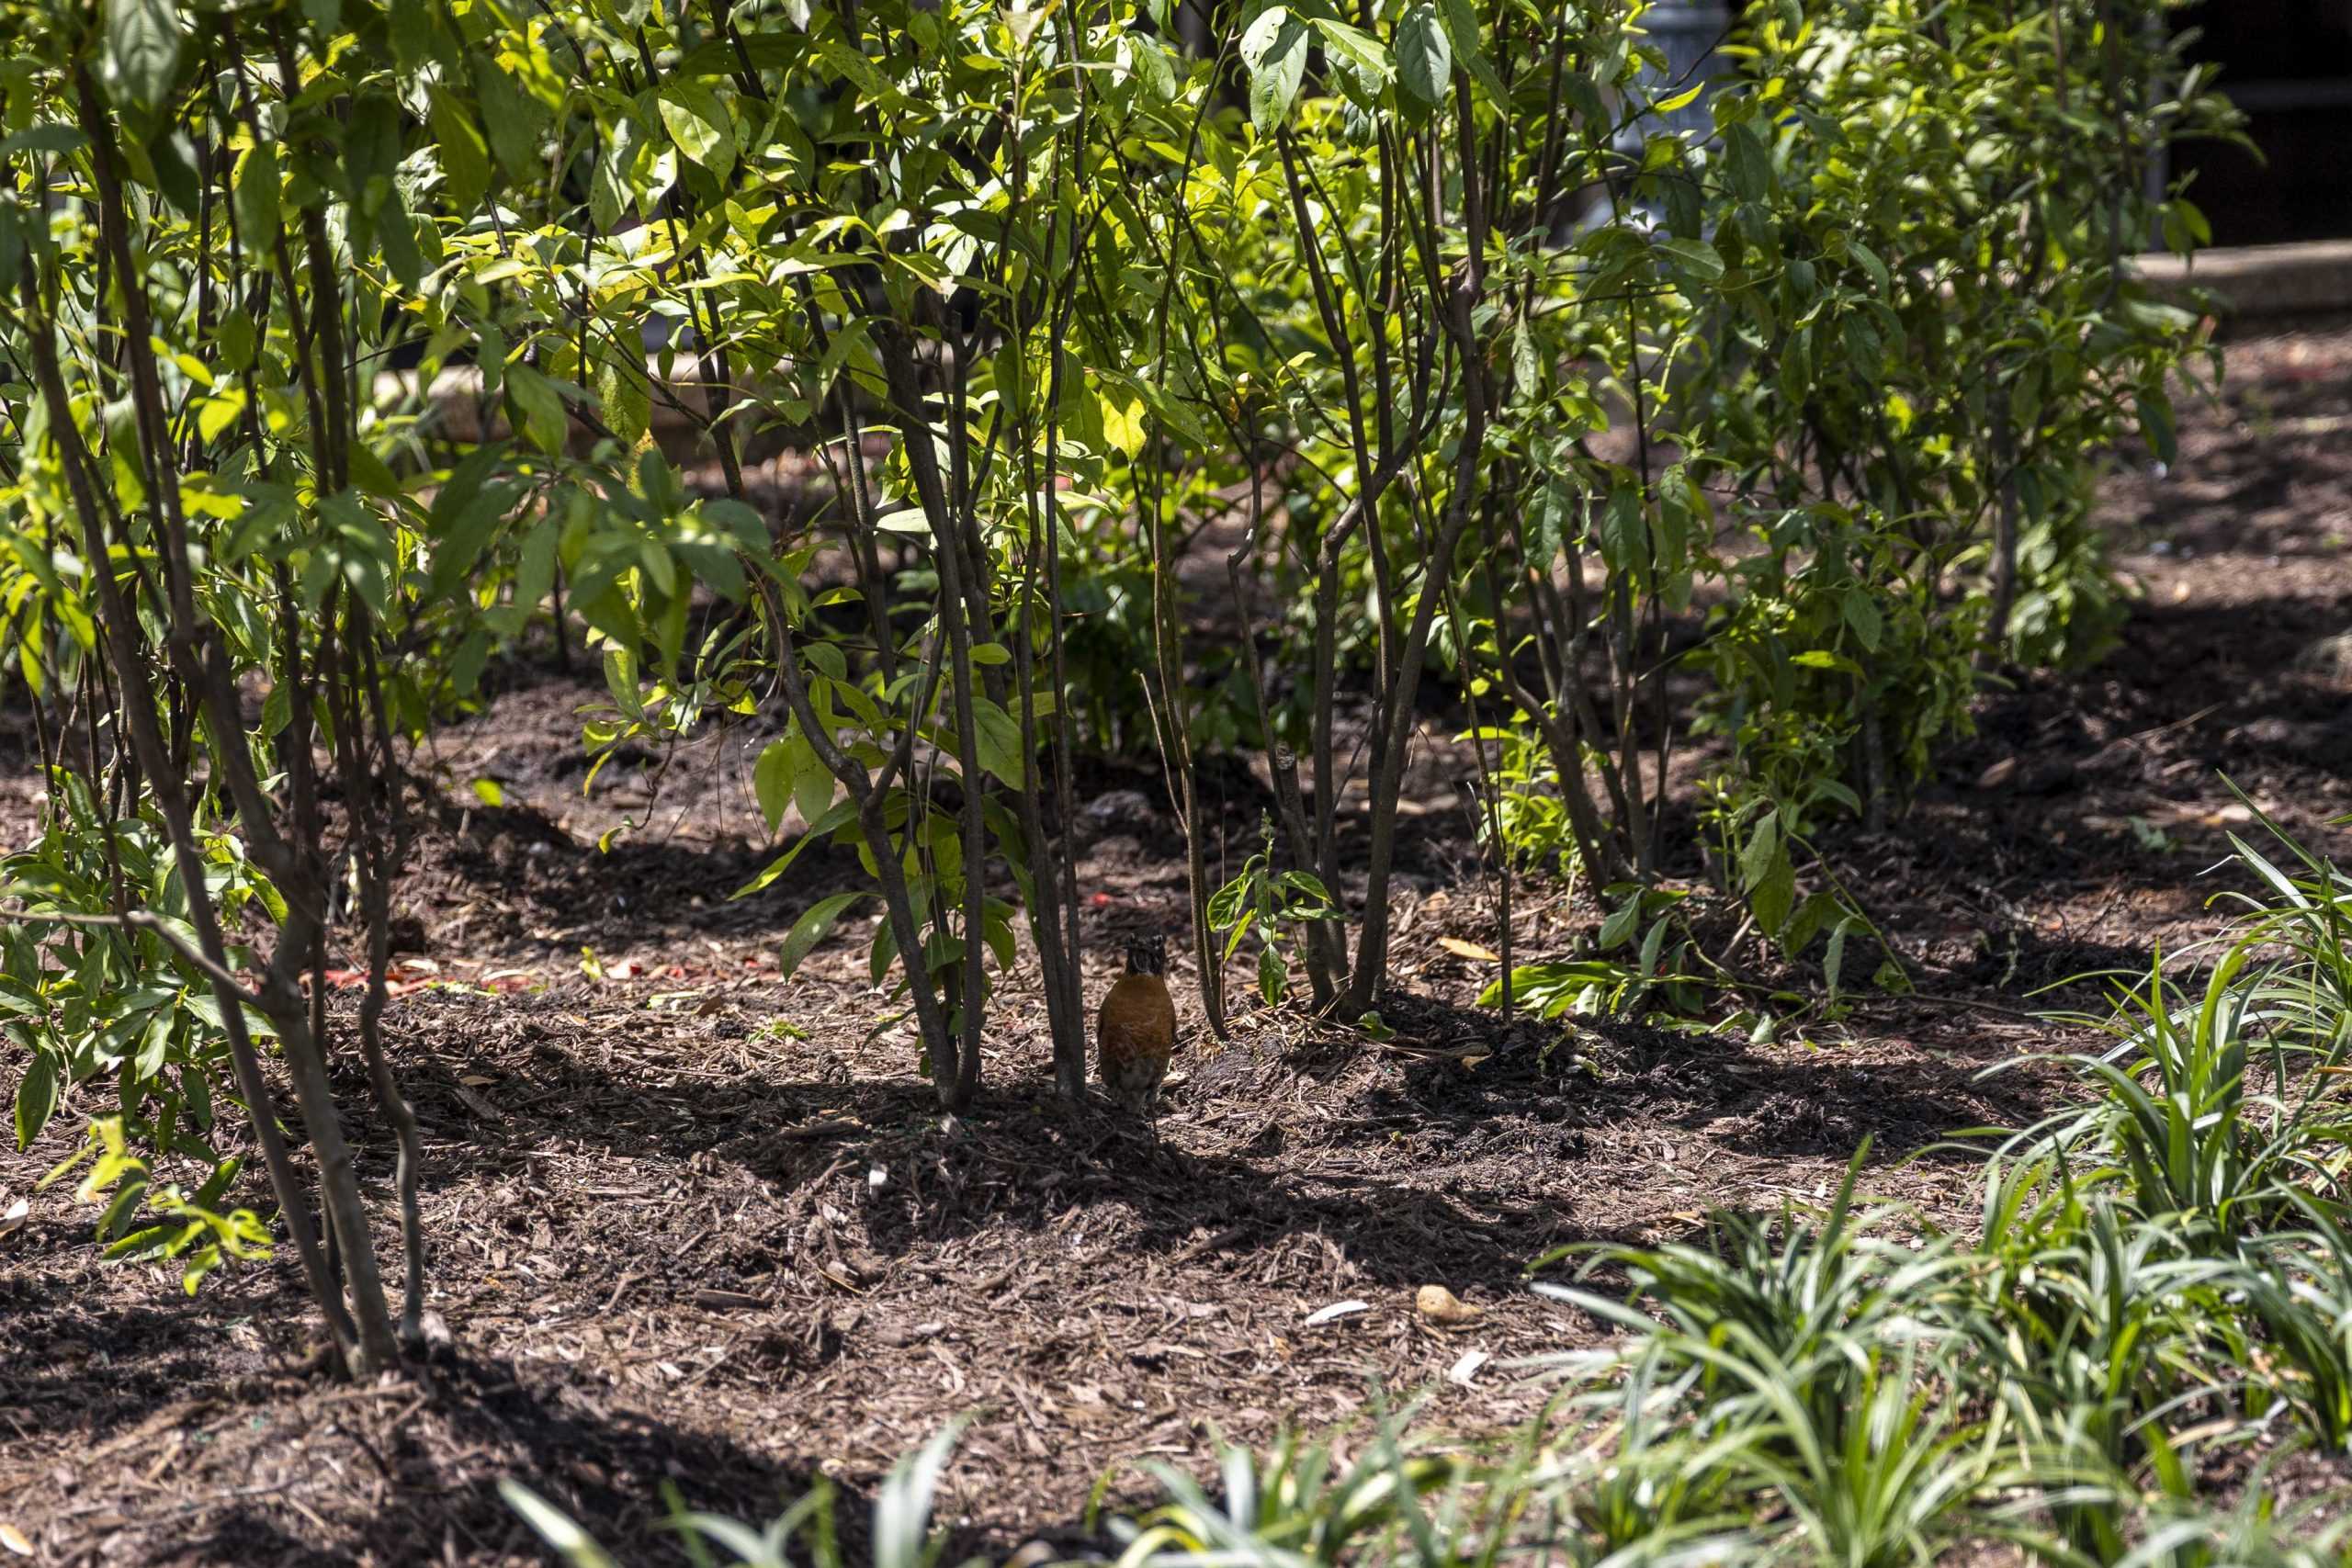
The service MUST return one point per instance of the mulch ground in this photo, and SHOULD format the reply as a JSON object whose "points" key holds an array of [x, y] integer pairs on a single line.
{"points": [[695, 1225]]}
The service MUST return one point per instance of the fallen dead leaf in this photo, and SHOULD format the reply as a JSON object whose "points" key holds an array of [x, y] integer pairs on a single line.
{"points": [[1440, 1306], [1336, 1310], [476, 1103], [13, 1220], [1461, 949], [1467, 1367], [14, 1540]]}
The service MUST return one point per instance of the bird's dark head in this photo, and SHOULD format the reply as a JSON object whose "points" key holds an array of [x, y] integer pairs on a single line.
{"points": [[1147, 954]]}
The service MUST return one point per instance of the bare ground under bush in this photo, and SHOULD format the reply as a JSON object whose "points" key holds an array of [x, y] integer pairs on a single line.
{"points": [[693, 1224]]}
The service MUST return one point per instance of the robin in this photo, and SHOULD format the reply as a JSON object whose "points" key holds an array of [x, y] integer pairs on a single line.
{"points": [[1136, 1030]]}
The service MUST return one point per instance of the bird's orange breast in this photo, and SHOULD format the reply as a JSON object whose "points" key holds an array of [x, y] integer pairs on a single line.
{"points": [[1138, 1021]]}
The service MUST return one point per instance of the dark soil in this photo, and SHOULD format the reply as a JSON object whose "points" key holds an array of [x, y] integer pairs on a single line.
{"points": [[696, 1226]]}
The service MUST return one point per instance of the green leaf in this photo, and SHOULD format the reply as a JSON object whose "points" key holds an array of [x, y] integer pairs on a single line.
{"points": [[464, 514], [845, 810], [1461, 30], [813, 788], [1153, 70], [1862, 613], [154, 1046], [371, 149], [465, 159], [1312, 894], [1226, 903], [2155, 425], [1696, 258], [412, 34], [1241, 929], [233, 341], [1619, 926], [1834, 962], [1273, 980], [44, 141], [903, 1509], [214, 415], [1122, 425], [700, 126], [536, 409], [1870, 262], [1654, 942], [255, 199], [122, 1206], [175, 172], [512, 120], [998, 932], [1274, 50], [555, 1527], [19, 997], [772, 776], [352, 546], [1526, 366], [1823, 659], [1762, 854], [141, 59], [1424, 57], [36, 1098], [1750, 161], [812, 928], [396, 239], [1359, 50], [999, 739], [1773, 898], [625, 398], [1806, 923]]}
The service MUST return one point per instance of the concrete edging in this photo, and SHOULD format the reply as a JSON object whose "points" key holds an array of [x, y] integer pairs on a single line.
{"points": [[2260, 282]]}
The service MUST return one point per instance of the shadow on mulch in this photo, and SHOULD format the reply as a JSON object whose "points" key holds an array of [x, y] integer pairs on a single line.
{"points": [[75, 1363], [433, 1455], [535, 891], [1744, 1099], [1017, 1163], [227, 1429], [1422, 1167]]}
